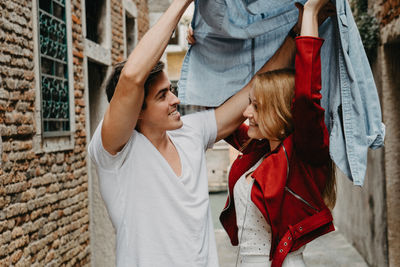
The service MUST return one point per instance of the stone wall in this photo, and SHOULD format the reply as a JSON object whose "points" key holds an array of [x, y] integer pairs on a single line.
{"points": [[388, 13], [369, 216], [388, 10], [43, 196], [44, 214], [117, 51]]}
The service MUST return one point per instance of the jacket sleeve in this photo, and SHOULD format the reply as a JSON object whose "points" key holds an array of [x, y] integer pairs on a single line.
{"points": [[311, 138]]}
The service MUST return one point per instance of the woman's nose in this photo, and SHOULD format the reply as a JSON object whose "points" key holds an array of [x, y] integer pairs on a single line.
{"points": [[247, 112]]}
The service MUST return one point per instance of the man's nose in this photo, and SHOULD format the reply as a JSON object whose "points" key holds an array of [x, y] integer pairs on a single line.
{"points": [[175, 100]]}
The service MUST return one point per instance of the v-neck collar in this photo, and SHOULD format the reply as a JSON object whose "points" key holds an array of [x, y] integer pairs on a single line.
{"points": [[164, 159]]}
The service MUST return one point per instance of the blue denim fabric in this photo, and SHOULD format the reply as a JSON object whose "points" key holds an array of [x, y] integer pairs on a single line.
{"points": [[235, 38]]}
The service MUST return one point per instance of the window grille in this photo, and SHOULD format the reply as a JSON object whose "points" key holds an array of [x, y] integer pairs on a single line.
{"points": [[54, 68]]}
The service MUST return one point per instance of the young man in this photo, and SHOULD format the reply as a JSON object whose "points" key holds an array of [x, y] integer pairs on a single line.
{"points": [[151, 163]]}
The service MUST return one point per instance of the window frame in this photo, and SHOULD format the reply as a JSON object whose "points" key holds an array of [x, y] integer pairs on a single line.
{"points": [[130, 8], [43, 141]]}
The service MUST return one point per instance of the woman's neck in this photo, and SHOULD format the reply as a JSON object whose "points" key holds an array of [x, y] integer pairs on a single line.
{"points": [[274, 144]]}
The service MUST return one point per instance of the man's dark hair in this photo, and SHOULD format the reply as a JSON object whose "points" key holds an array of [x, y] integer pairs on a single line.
{"points": [[113, 79]]}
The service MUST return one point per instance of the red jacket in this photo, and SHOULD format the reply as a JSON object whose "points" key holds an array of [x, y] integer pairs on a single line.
{"points": [[288, 185]]}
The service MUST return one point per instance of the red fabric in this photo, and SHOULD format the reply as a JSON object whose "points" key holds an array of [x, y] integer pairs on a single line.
{"points": [[293, 223]]}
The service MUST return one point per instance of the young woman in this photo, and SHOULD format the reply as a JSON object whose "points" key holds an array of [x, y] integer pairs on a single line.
{"points": [[282, 187]]}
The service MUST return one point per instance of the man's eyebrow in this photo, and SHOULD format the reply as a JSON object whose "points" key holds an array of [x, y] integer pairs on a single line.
{"points": [[161, 92]]}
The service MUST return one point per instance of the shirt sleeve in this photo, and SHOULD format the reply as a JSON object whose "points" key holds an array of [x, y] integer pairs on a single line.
{"points": [[102, 158], [204, 125], [311, 138]]}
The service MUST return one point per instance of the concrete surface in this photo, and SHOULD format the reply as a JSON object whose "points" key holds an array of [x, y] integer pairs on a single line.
{"points": [[331, 250]]}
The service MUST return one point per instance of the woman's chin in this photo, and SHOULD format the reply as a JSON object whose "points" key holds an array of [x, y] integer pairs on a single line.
{"points": [[254, 134]]}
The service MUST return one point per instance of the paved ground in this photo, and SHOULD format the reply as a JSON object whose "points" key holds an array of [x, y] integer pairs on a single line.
{"points": [[330, 250]]}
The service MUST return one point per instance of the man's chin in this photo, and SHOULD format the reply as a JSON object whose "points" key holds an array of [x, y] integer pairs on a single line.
{"points": [[176, 125]]}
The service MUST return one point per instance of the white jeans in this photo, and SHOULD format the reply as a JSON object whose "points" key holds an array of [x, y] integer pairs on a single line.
{"points": [[291, 260]]}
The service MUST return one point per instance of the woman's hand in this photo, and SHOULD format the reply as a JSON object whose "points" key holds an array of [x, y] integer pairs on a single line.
{"points": [[315, 12], [315, 5], [327, 11], [190, 36]]}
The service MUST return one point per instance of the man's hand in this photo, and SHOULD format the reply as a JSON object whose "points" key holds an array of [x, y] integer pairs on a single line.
{"points": [[190, 36]]}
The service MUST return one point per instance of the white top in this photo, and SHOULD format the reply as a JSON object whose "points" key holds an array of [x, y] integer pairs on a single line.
{"points": [[160, 219], [255, 233]]}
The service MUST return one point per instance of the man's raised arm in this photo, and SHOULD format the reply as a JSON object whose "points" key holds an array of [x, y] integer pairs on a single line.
{"points": [[230, 114], [122, 114]]}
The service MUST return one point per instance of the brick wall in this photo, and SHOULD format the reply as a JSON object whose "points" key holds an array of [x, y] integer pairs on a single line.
{"points": [[44, 217], [117, 50], [43, 196], [389, 11], [143, 17]]}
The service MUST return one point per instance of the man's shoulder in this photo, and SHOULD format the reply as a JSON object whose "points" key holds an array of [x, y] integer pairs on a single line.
{"points": [[198, 116]]}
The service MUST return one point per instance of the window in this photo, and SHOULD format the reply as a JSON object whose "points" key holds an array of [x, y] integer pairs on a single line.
{"points": [[175, 37], [130, 32], [95, 22], [130, 26], [53, 68]]}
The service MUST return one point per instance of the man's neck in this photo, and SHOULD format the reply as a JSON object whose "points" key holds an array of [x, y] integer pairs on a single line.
{"points": [[158, 138]]}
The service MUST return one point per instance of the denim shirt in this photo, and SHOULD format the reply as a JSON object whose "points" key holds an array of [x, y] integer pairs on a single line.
{"points": [[235, 38]]}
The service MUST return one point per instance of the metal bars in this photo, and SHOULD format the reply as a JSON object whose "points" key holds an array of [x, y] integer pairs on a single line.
{"points": [[54, 68]]}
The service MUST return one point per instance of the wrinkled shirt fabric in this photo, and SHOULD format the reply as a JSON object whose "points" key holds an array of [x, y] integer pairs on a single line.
{"points": [[235, 38]]}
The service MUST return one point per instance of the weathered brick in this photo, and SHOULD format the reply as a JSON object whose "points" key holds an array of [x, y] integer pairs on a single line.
{"points": [[16, 256], [28, 194], [25, 130], [6, 237], [16, 232], [16, 188], [16, 209], [18, 243]]}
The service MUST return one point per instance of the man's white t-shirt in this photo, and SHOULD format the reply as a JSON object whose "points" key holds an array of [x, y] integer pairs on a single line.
{"points": [[160, 219]]}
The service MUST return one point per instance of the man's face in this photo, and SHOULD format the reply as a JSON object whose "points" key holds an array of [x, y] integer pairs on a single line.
{"points": [[161, 106]]}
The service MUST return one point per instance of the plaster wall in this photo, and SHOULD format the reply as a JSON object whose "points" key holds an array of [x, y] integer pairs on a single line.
{"points": [[360, 212], [99, 60], [391, 116], [101, 229], [369, 216]]}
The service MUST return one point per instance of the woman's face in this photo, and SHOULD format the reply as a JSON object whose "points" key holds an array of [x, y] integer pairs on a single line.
{"points": [[251, 113]]}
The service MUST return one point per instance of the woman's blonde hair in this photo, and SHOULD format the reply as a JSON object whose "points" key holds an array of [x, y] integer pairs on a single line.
{"points": [[274, 92]]}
